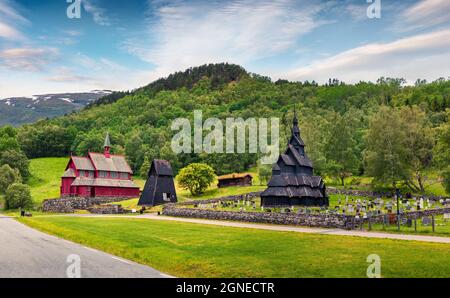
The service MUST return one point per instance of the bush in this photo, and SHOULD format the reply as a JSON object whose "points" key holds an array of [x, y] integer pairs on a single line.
{"points": [[18, 196], [196, 177], [16, 160], [264, 172], [446, 176], [8, 176], [145, 168]]}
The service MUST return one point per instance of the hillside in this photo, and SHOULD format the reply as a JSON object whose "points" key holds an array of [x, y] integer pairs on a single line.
{"points": [[20, 110], [334, 115], [218, 74]]}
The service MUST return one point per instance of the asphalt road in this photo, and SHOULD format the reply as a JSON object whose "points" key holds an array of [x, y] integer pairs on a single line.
{"points": [[27, 253]]}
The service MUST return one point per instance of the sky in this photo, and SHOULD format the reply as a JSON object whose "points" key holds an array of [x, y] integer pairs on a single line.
{"points": [[122, 45]]}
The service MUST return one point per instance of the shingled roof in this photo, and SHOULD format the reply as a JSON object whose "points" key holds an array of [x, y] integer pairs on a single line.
{"points": [[70, 173], [83, 163], [162, 167], [114, 163], [234, 176]]}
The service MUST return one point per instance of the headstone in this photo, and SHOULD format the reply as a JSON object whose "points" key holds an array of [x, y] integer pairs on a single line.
{"points": [[426, 221], [409, 222]]}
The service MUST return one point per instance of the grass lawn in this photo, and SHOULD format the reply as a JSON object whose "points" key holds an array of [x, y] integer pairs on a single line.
{"points": [[45, 177], [194, 250]]}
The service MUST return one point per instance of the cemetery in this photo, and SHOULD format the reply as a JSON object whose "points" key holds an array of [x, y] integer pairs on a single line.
{"points": [[416, 214], [294, 196]]}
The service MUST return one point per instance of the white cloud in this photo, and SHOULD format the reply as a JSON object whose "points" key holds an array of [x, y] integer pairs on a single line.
{"points": [[98, 13], [425, 14], [9, 32], [8, 11], [66, 74], [422, 56], [27, 59], [9, 20], [184, 34]]}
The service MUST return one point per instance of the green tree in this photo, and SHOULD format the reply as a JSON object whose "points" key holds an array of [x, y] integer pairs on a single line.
{"points": [[8, 139], [8, 176], [196, 177], [18, 196], [399, 146], [145, 168], [341, 149], [16, 160], [264, 173], [386, 156], [442, 151], [419, 143]]}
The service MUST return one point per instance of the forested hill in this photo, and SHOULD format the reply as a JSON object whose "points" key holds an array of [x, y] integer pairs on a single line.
{"points": [[345, 127], [219, 75]]}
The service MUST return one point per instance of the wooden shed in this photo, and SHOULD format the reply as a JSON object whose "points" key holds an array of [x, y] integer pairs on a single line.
{"points": [[235, 180]]}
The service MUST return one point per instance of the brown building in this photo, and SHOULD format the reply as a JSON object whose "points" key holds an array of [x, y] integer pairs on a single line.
{"points": [[235, 180]]}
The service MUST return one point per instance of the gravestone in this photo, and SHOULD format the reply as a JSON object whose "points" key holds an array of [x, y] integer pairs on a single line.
{"points": [[426, 221], [409, 223]]}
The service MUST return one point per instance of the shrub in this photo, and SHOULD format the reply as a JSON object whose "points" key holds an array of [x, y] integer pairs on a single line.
{"points": [[196, 177], [264, 172], [18, 196], [16, 160], [8, 176]]}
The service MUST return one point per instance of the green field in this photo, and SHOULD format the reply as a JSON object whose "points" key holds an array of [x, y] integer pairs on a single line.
{"points": [[45, 177], [194, 250]]}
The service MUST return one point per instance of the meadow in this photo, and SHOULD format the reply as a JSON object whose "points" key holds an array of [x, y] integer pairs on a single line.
{"points": [[195, 250]]}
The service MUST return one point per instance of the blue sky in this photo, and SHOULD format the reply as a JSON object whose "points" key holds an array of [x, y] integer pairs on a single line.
{"points": [[122, 45]]}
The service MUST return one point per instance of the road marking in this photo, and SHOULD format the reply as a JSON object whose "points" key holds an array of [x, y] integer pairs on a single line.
{"points": [[165, 275], [122, 260], [91, 249]]}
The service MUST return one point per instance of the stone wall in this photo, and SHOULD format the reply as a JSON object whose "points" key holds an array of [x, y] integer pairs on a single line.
{"points": [[106, 209], [69, 205], [309, 220], [248, 196], [299, 219], [296, 219]]}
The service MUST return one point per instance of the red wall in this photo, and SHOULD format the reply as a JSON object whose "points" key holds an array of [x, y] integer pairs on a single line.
{"points": [[66, 186], [83, 191], [116, 192]]}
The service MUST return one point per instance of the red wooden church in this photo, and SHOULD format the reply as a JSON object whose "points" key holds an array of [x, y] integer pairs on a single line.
{"points": [[99, 175]]}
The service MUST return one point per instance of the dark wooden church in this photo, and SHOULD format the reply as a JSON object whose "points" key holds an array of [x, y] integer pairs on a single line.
{"points": [[292, 182], [160, 186]]}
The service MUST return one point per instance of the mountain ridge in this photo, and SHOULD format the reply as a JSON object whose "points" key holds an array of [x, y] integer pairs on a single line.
{"points": [[17, 111]]}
